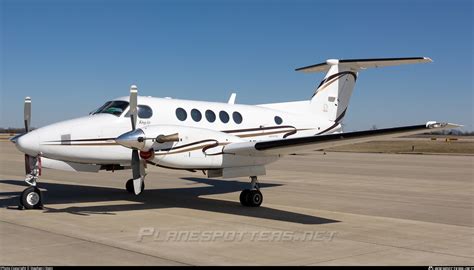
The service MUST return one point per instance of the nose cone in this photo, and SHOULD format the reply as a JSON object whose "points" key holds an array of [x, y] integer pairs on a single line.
{"points": [[28, 143], [133, 139]]}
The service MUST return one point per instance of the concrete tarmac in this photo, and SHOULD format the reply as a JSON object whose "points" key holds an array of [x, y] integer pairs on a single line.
{"points": [[334, 209]]}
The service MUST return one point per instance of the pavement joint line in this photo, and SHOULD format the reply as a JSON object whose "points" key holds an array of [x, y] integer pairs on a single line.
{"points": [[97, 243], [404, 220], [350, 256], [389, 247], [76, 241], [342, 193], [415, 249], [436, 252]]}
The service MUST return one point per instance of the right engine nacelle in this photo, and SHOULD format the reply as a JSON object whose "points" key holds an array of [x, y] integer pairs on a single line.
{"points": [[194, 148]]}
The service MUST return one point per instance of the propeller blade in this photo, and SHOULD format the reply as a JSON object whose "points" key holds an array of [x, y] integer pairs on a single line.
{"points": [[135, 164], [133, 105], [136, 172], [27, 114], [137, 185]]}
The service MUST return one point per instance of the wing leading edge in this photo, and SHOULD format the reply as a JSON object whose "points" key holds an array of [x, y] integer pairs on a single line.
{"points": [[301, 144]]}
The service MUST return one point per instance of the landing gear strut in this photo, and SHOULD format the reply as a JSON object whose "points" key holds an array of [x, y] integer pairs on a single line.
{"points": [[252, 197]]}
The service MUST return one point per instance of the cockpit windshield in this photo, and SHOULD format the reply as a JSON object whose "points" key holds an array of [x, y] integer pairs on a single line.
{"points": [[116, 107]]}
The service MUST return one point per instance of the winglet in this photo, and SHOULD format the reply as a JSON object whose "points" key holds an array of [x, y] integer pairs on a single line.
{"points": [[438, 125]]}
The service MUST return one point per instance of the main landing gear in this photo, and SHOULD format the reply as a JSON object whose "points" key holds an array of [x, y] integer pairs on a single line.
{"points": [[252, 197]]}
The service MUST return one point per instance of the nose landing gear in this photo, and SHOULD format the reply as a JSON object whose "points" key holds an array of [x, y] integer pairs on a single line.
{"points": [[252, 197], [31, 197]]}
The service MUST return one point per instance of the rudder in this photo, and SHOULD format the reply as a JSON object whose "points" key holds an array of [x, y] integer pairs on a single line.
{"points": [[331, 97]]}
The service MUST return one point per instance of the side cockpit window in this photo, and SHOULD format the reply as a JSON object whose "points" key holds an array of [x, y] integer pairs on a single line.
{"points": [[116, 107], [144, 112]]}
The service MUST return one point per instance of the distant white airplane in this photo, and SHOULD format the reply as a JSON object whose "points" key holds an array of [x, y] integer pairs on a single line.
{"points": [[221, 139]]}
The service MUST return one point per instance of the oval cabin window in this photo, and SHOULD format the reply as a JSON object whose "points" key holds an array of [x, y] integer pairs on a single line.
{"points": [[224, 116], [181, 114], [210, 116]]}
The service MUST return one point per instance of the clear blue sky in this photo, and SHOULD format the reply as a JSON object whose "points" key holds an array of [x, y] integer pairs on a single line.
{"points": [[71, 56]]}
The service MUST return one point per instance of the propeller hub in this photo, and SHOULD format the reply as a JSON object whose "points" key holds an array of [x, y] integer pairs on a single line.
{"points": [[134, 139]]}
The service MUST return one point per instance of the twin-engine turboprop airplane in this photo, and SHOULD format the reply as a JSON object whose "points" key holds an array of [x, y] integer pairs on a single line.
{"points": [[221, 139]]}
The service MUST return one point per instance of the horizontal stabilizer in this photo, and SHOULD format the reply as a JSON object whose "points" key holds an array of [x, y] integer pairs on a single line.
{"points": [[357, 64]]}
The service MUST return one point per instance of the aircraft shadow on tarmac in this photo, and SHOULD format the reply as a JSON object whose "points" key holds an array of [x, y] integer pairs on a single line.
{"points": [[54, 193]]}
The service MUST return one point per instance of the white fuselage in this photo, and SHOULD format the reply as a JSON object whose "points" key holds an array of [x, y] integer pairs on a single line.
{"points": [[90, 139]]}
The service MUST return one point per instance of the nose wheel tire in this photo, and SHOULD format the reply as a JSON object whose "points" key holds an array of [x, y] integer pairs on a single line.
{"points": [[252, 198], [129, 186], [31, 198]]}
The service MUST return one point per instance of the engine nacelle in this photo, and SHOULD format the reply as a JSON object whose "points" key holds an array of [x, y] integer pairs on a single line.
{"points": [[192, 148], [167, 137], [183, 147]]}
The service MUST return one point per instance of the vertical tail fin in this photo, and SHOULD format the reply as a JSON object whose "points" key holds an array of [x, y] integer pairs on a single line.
{"points": [[331, 98]]}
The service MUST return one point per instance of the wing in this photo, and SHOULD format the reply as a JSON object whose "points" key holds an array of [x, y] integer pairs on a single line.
{"points": [[301, 144]]}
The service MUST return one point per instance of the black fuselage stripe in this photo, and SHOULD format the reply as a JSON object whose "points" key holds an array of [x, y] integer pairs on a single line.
{"points": [[338, 74], [186, 145], [328, 129], [338, 119], [226, 131], [86, 140]]}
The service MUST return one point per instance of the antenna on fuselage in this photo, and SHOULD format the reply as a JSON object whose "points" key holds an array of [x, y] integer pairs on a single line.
{"points": [[232, 98]]}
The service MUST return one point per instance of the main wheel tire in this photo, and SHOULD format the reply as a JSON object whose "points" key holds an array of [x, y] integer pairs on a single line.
{"points": [[129, 186], [255, 198], [244, 197], [31, 198]]}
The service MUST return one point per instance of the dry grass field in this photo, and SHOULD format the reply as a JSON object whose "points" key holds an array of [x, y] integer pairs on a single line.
{"points": [[412, 145]]}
